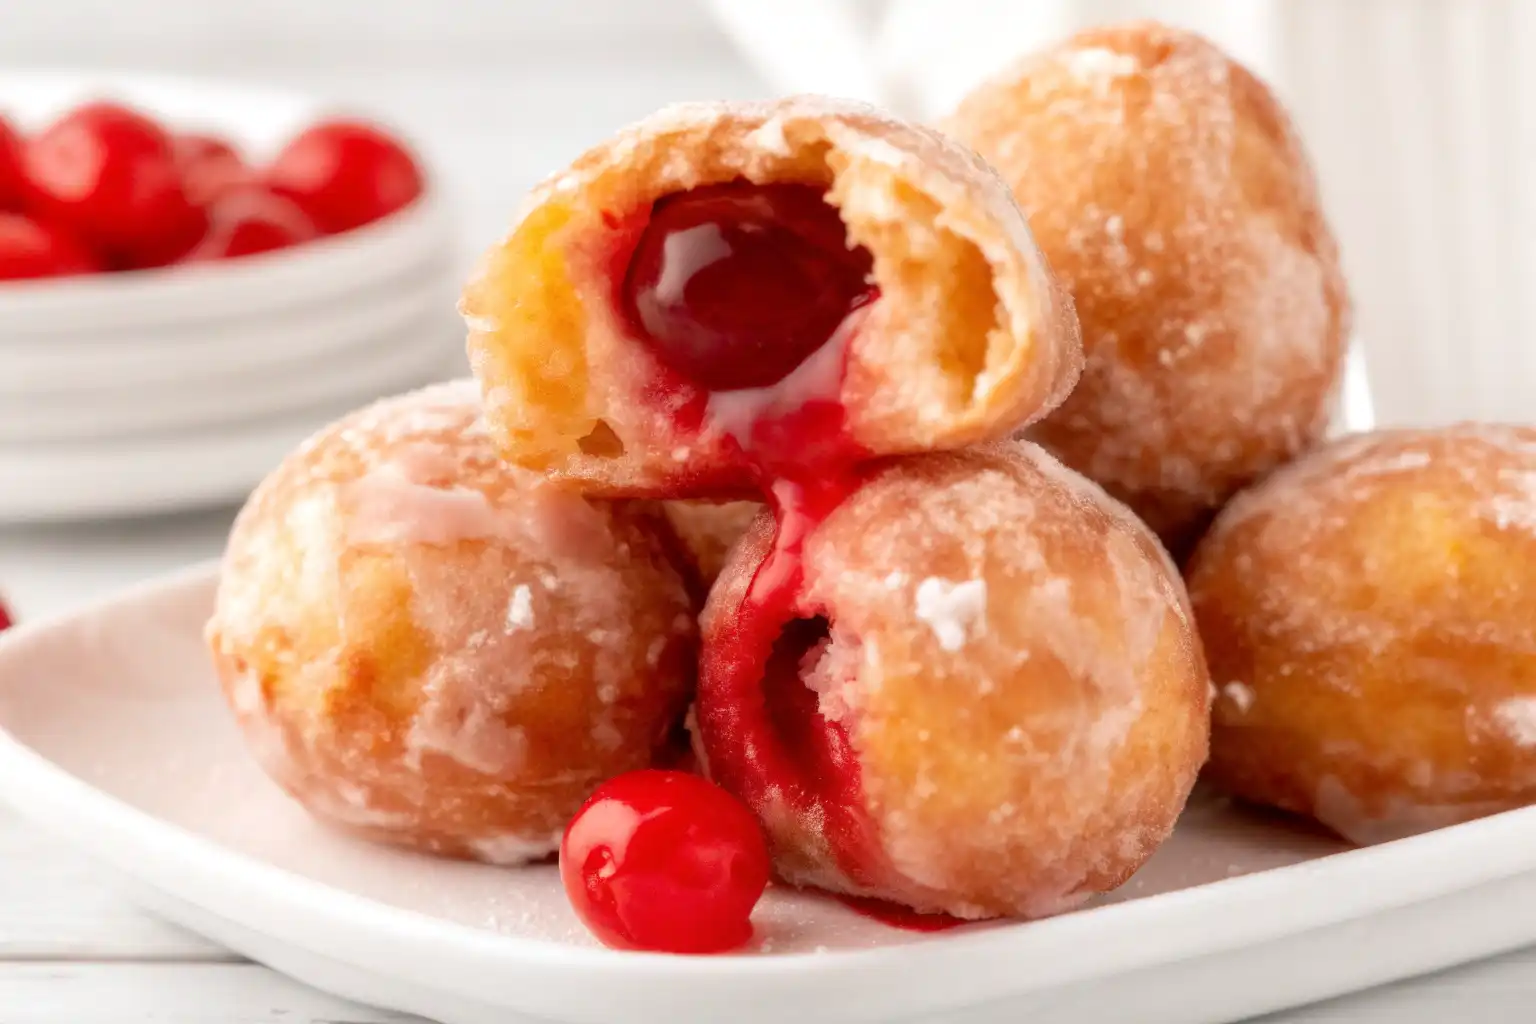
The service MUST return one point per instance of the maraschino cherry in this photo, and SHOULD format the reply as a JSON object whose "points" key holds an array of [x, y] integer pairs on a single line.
{"points": [[31, 248], [665, 861], [344, 174], [12, 183], [735, 285], [209, 166], [107, 174], [248, 219]]}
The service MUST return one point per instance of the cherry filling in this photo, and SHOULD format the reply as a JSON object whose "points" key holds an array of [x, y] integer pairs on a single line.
{"points": [[749, 295], [735, 285], [898, 916], [768, 739]]}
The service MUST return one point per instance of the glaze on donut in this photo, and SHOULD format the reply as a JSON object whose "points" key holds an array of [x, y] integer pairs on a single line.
{"points": [[429, 648], [1371, 628], [1171, 195], [971, 685]]}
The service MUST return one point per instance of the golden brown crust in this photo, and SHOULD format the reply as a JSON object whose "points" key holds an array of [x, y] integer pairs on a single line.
{"points": [[969, 340], [1172, 197], [708, 530], [429, 648], [1369, 620], [1014, 660]]}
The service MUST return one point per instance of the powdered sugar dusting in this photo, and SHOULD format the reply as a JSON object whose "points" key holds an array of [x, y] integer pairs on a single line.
{"points": [[520, 610], [1037, 582], [511, 849], [770, 136], [1517, 716], [952, 610], [1097, 62], [1213, 311], [397, 571], [1387, 574], [1240, 696]]}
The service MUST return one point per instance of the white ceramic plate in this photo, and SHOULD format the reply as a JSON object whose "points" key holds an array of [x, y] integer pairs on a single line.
{"points": [[116, 739]]}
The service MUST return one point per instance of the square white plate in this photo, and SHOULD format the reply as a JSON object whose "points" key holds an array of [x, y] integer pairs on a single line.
{"points": [[115, 738]]}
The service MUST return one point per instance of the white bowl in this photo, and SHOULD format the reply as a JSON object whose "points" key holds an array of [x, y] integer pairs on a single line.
{"points": [[152, 474], [84, 367], [210, 364], [258, 119], [412, 350], [114, 735]]}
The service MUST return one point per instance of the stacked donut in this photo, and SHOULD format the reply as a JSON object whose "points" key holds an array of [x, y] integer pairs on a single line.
{"points": [[770, 404], [1366, 610]]}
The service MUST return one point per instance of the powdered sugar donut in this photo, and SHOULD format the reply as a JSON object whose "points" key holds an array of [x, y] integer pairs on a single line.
{"points": [[971, 685], [1370, 622], [1169, 191], [431, 649]]}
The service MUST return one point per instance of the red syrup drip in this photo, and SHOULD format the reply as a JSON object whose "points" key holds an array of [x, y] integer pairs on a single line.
{"points": [[898, 916], [771, 744], [749, 295]]}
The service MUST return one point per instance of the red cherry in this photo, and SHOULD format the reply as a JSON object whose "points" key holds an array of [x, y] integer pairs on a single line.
{"points": [[209, 166], [665, 861], [12, 187], [345, 174], [248, 220], [107, 173], [735, 285], [32, 249], [6, 622]]}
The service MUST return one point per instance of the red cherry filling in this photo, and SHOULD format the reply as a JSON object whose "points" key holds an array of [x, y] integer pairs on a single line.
{"points": [[767, 739], [665, 861], [816, 762], [30, 248], [735, 285], [898, 916]]}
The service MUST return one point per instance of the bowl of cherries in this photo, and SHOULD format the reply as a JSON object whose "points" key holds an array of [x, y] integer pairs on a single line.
{"points": [[193, 275]]}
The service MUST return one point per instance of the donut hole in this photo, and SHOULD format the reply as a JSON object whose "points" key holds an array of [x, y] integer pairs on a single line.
{"points": [[804, 682]]}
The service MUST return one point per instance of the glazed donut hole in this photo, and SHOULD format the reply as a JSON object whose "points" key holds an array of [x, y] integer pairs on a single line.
{"points": [[1368, 617], [430, 649], [979, 692], [774, 279], [1174, 200]]}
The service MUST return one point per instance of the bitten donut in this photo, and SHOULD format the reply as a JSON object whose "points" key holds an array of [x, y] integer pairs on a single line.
{"points": [[972, 685], [1371, 628], [428, 648], [723, 289], [1172, 197]]}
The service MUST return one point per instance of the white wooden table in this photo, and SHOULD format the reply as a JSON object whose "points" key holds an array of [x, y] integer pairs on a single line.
{"points": [[71, 950]]}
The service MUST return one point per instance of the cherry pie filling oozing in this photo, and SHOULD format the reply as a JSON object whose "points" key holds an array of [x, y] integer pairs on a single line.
{"points": [[748, 295]]}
